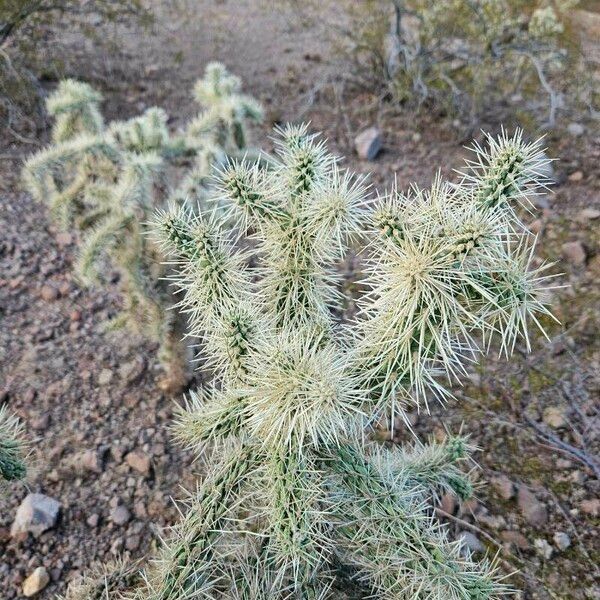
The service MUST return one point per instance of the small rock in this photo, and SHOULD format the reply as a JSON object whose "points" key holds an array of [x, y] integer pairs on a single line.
{"points": [[368, 143], [93, 520], [14, 283], [543, 548], [139, 461], [503, 486], [577, 477], [151, 69], [448, 503], [574, 252], [64, 238], [40, 423], [590, 507], [90, 460], [36, 514], [131, 371], [532, 509], [36, 582], [139, 509], [515, 538], [589, 214], [105, 377], [493, 521], [471, 541], [132, 542], [554, 416], [576, 176], [576, 129], [536, 226], [120, 515], [48, 293], [561, 540]]}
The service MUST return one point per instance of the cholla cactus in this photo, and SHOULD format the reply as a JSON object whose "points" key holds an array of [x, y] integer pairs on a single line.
{"points": [[222, 123], [218, 133], [76, 108], [104, 181], [13, 449], [296, 489]]}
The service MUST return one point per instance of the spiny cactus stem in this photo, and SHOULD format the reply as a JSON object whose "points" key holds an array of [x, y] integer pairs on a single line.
{"points": [[195, 548]]}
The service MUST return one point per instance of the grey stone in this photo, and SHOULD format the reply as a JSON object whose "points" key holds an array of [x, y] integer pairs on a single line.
{"points": [[93, 520], [105, 376], [575, 129], [368, 143], [543, 548], [36, 514], [120, 515], [561, 540], [471, 541]]}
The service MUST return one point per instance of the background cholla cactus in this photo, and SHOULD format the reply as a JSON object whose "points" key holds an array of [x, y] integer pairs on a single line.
{"points": [[219, 132], [107, 182], [13, 449], [225, 111], [296, 493]]}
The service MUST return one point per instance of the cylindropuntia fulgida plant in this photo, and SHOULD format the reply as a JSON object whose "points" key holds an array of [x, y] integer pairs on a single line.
{"points": [[106, 181], [13, 449], [297, 494], [218, 133], [76, 108]]}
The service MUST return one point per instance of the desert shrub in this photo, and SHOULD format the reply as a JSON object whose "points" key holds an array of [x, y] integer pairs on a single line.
{"points": [[13, 449], [106, 181], [472, 58], [296, 493]]}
